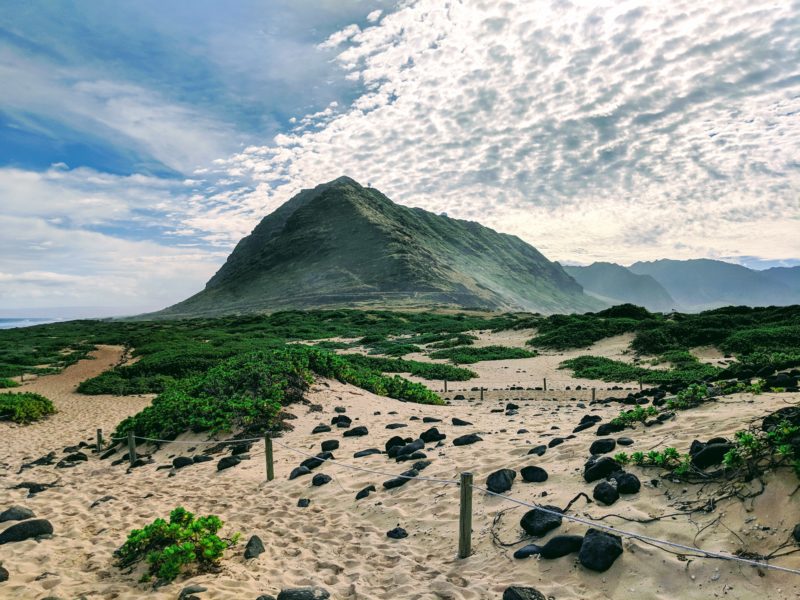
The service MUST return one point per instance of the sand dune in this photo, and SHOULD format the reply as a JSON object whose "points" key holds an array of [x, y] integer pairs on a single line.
{"points": [[340, 543]]}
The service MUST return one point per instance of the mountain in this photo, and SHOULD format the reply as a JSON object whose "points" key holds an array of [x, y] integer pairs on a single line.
{"points": [[344, 245], [788, 276], [702, 284], [617, 285]]}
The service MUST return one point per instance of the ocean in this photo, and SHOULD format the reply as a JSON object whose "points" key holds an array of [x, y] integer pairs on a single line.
{"points": [[10, 323]]}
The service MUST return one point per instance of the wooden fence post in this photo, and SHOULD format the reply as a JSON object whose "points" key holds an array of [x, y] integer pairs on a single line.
{"points": [[131, 447], [481, 393], [445, 385], [594, 393], [545, 384], [465, 517], [268, 448], [640, 385], [99, 446]]}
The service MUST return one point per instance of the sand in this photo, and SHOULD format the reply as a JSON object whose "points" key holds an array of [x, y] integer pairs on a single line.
{"points": [[341, 544]]}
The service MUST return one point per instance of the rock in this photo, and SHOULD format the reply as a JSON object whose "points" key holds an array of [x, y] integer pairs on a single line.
{"points": [[583, 426], [501, 481], [396, 425], [339, 409], [608, 428], [606, 493], [522, 593], [243, 448], [3, 574], [297, 472], [561, 545], [394, 441], [711, 454], [796, 533], [108, 453], [512, 406], [321, 428], [367, 452], [411, 448], [365, 492], [317, 461], [465, 440], [342, 421], [201, 458], [599, 550], [356, 431], [303, 503], [398, 533], [432, 435], [330, 445], [25, 530], [72, 460], [788, 413], [182, 461], [265, 597], [533, 474], [16, 513], [537, 522], [624, 441], [190, 590], [402, 480], [526, 551], [254, 547], [460, 422], [100, 501], [431, 420], [304, 593], [320, 479], [603, 446], [599, 469], [412, 456], [556, 441], [421, 464], [627, 483], [227, 462], [538, 450]]}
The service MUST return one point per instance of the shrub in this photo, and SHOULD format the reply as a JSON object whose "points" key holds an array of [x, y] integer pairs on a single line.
{"points": [[469, 355], [7, 383], [24, 407], [170, 547]]}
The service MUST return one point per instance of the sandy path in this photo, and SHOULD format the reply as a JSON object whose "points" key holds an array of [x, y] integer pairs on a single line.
{"points": [[341, 544]]}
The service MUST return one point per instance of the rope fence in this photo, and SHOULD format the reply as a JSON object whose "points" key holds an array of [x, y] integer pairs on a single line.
{"points": [[466, 485]]}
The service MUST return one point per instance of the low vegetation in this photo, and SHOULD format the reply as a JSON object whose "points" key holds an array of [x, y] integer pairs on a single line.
{"points": [[7, 383], [467, 355], [683, 372], [24, 407], [184, 543]]}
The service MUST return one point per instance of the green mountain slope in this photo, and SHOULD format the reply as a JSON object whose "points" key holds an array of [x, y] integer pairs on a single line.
{"points": [[703, 284], [618, 285], [341, 244]]}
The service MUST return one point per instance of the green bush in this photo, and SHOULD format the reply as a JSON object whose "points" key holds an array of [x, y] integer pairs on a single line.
{"points": [[432, 371], [170, 547], [7, 383], [468, 354], [24, 407], [688, 371]]}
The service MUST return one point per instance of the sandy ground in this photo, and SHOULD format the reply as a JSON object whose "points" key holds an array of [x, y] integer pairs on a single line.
{"points": [[340, 543]]}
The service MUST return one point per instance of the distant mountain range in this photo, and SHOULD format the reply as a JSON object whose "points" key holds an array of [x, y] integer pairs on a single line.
{"points": [[344, 245], [689, 285]]}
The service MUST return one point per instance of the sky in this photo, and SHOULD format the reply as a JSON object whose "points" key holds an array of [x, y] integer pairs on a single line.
{"points": [[140, 141]]}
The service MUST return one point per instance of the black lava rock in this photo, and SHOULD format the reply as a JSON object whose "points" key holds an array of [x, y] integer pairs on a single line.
{"points": [[606, 493], [561, 545], [16, 513], [365, 492], [537, 522], [500, 481], [603, 446], [465, 440], [3, 574], [432, 435], [317, 461], [599, 550], [599, 469], [320, 479], [711, 454], [608, 428], [304, 593], [624, 441], [321, 428], [431, 420], [556, 441], [398, 481], [538, 450], [297, 472], [627, 483], [342, 421], [227, 462], [796, 533], [394, 441], [356, 431], [201, 458], [533, 474], [330, 445], [526, 551], [460, 422], [522, 593], [396, 425], [304, 502], [26, 530], [182, 461], [254, 547], [398, 533], [367, 452]]}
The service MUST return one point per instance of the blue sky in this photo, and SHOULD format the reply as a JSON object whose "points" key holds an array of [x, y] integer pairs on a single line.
{"points": [[139, 141]]}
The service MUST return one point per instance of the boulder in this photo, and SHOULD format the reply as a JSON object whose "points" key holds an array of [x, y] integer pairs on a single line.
{"points": [[356, 431], [201, 458], [526, 551], [624, 441], [522, 593], [538, 450], [320, 479], [431, 420], [182, 461], [606, 493], [561, 545], [304, 503], [342, 421], [304, 593], [3, 574], [190, 590], [404, 478], [297, 472], [365, 492], [317, 461], [599, 468], [608, 428], [398, 533], [533, 474], [254, 547], [227, 462], [432, 435], [501, 481], [465, 440], [394, 441], [599, 550], [460, 422], [396, 425], [321, 428], [330, 445], [537, 522], [627, 483], [25, 530], [556, 441], [710, 454], [602, 446], [16, 513], [367, 452]]}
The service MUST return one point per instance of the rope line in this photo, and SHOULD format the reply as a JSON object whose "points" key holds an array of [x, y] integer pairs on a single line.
{"points": [[155, 440]]}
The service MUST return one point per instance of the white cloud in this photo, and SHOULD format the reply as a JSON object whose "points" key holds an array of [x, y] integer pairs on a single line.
{"points": [[615, 130]]}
